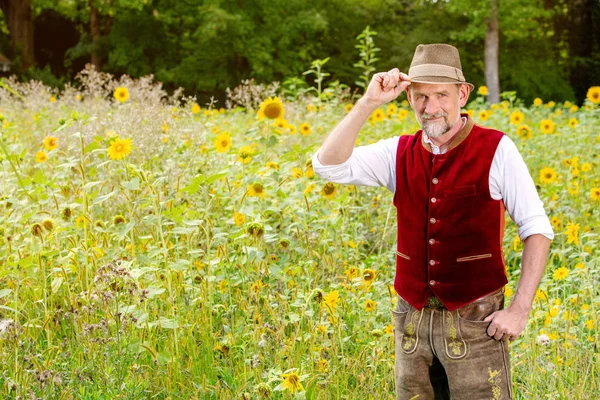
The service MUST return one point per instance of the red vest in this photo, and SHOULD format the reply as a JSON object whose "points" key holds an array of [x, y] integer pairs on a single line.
{"points": [[450, 229]]}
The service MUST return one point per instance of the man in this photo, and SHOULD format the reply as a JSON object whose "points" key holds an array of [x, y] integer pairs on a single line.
{"points": [[452, 181]]}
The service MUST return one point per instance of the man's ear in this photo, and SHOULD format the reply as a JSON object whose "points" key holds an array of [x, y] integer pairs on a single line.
{"points": [[463, 94]]}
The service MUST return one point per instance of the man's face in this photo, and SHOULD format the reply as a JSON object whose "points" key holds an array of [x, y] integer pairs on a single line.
{"points": [[437, 106]]}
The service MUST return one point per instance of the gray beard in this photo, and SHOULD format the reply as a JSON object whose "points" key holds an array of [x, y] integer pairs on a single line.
{"points": [[437, 129]]}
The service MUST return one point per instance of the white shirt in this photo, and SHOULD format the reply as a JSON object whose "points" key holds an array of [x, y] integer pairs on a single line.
{"points": [[510, 181]]}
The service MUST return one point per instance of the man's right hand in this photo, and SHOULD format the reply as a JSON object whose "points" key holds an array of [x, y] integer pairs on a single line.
{"points": [[386, 86]]}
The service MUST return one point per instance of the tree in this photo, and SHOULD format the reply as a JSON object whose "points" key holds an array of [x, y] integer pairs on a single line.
{"points": [[19, 19]]}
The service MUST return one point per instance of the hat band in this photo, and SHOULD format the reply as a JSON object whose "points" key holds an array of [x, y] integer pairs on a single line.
{"points": [[436, 70]]}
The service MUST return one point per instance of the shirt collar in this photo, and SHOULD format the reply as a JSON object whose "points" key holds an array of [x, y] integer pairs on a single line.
{"points": [[456, 140]]}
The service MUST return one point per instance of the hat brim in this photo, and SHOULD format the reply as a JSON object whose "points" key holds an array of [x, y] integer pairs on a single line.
{"points": [[440, 79]]}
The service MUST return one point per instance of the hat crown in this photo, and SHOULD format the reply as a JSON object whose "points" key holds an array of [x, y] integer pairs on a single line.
{"points": [[443, 54]]}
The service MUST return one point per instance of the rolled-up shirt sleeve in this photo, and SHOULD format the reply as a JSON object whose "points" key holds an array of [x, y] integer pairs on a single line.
{"points": [[370, 165], [515, 185]]}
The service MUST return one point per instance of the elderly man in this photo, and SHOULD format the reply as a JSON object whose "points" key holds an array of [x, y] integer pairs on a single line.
{"points": [[452, 182]]}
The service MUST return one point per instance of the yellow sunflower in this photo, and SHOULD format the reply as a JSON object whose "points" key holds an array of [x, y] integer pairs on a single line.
{"points": [[311, 108], [573, 122], [524, 132], [256, 190], [195, 108], [41, 156], [348, 107], [272, 108], [328, 190], [50, 143], [245, 154], [547, 126], [238, 218], [484, 115], [402, 114], [305, 129], [595, 194], [560, 273], [119, 148], [223, 142], [296, 172], [391, 109], [121, 94], [538, 101], [517, 117], [548, 175], [593, 94], [378, 115], [482, 91], [370, 305]]}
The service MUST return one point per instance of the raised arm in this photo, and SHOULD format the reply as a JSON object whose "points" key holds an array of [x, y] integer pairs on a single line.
{"points": [[383, 88]]}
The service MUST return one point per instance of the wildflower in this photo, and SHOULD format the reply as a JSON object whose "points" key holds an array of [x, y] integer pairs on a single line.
{"points": [[272, 165], [590, 323], [280, 123], [271, 108], [548, 175], [311, 108], [195, 108], [556, 222], [370, 305], [119, 148], [322, 365], [516, 117], [543, 339], [118, 219], [595, 193], [524, 132], [484, 115], [256, 190], [586, 167], [291, 382], [41, 157], [508, 292], [378, 115], [36, 229], [52, 99], [551, 104], [573, 122], [121, 94], [305, 129], [537, 101], [547, 126], [245, 154], [516, 243], [348, 107], [164, 127], [541, 295], [292, 129], [572, 233], [351, 272], [296, 172], [368, 276], [560, 274], [593, 94], [471, 113], [573, 188], [402, 114], [330, 300], [482, 91], [66, 213], [389, 330], [574, 108], [238, 218], [48, 224], [391, 109], [284, 243], [50, 143], [223, 142], [328, 190], [255, 229]]}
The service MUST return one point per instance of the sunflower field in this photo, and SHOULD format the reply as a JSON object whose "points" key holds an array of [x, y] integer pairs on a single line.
{"points": [[155, 248]]}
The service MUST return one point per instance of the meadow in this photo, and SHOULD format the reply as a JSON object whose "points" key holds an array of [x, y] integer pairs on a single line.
{"points": [[152, 247]]}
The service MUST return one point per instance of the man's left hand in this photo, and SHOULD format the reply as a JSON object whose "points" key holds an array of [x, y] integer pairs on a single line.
{"points": [[507, 324]]}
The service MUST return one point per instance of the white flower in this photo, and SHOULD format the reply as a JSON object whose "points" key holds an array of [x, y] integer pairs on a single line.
{"points": [[544, 340]]}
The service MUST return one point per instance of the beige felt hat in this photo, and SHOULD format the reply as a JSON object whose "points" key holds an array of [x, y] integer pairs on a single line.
{"points": [[437, 63]]}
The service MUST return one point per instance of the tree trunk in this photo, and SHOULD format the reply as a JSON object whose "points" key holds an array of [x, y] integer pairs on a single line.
{"points": [[492, 79], [19, 18], [95, 33]]}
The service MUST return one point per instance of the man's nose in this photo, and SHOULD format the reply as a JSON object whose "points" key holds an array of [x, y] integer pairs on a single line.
{"points": [[431, 106]]}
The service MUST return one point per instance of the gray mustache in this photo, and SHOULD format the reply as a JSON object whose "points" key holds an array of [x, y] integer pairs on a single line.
{"points": [[432, 116]]}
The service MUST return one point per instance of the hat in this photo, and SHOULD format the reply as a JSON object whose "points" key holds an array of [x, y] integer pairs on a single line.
{"points": [[437, 63]]}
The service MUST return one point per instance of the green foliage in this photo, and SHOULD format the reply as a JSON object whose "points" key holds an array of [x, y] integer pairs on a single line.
{"points": [[367, 53], [316, 69]]}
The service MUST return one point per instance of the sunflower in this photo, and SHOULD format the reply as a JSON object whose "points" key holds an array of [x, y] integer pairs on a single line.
{"points": [[280, 123], [328, 190], [291, 382], [41, 157], [119, 148], [245, 154], [296, 172], [484, 115], [348, 107], [330, 300], [378, 115], [538, 101], [370, 305], [524, 132], [121, 94], [585, 167], [595, 194], [292, 129], [36, 229], [574, 108], [402, 114], [50, 143], [573, 122], [255, 229], [560, 273], [517, 117], [311, 108], [256, 190], [482, 91], [573, 188], [593, 94], [238, 218], [49, 224], [572, 233], [548, 175], [368, 275], [309, 189], [305, 129], [118, 219], [272, 108], [223, 142], [195, 108], [272, 165], [547, 126], [391, 109]]}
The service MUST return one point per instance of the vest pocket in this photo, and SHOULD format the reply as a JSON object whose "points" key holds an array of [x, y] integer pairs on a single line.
{"points": [[460, 191], [472, 258], [402, 255]]}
